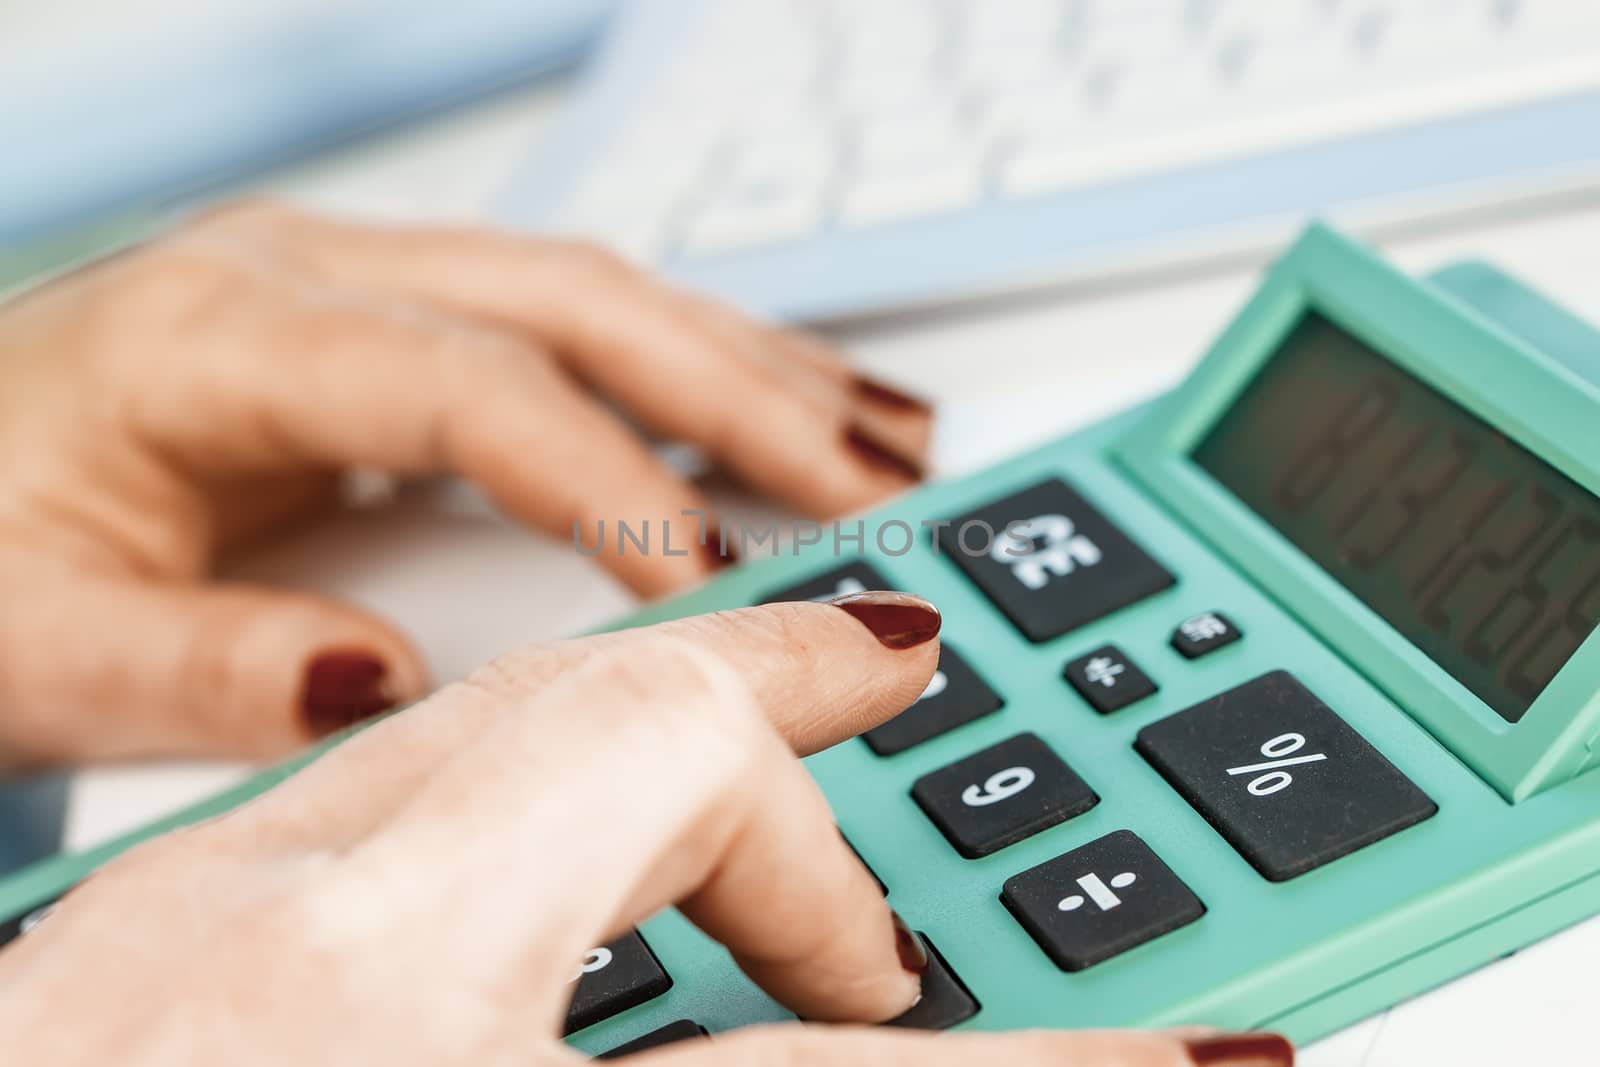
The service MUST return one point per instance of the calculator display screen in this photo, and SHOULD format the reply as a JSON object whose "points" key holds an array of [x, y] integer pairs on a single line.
{"points": [[1481, 554]]}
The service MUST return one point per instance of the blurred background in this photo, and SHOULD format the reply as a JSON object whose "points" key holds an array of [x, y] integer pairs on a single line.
{"points": [[1033, 212], [823, 159]]}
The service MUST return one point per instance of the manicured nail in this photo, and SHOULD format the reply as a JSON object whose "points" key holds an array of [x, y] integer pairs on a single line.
{"points": [[1240, 1050], [719, 553], [909, 947], [887, 396], [342, 688], [874, 454], [897, 620]]}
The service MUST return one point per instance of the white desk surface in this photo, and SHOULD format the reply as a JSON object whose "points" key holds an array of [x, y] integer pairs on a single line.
{"points": [[440, 562]]}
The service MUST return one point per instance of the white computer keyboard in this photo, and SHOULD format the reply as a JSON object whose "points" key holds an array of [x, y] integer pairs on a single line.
{"points": [[778, 120]]}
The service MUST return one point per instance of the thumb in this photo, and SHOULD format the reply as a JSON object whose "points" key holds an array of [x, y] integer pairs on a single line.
{"points": [[111, 669]]}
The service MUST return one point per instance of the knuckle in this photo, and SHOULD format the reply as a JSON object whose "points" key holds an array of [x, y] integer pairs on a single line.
{"points": [[690, 701], [702, 687], [795, 631], [213, 690], [771, 625], [508, 677], [167, 283]]}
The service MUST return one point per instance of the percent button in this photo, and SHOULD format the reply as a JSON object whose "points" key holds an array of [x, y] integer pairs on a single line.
{"points": [[1281, 776]]}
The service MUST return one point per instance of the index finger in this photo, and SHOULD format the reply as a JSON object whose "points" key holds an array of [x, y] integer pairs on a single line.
{"points": [[821, 672], [647, 775]]}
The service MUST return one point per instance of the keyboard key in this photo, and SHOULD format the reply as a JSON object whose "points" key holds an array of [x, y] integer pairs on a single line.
{"points": [[1204, 633], [614, 978], [1053, 563], [757, 163], [916, 137], [855, 577], [1108, 679], [16, 926], [752, 215], [938, 187], [1285, 780], [673, 1032], [954, 697], [1099, 901], [945, 1001], [1001, 795], [881, 887]]}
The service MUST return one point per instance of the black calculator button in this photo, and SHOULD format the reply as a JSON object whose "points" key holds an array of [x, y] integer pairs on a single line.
{"points": [[1204, 633], [673, 1032], [1283, 778], [17, 925], [1049, 560], [954, 697], [1001, 795], [881, 887], [1108, 679], [855, 577], [614, 978], [945, 1001], [1099, 901]]}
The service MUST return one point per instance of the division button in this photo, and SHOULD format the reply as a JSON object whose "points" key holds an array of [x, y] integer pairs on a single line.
{"points": [[1099, 901], [1108, 679], [1053, 563], [1204, 633], [1281, 776], [954, 697], [1001, 795]]}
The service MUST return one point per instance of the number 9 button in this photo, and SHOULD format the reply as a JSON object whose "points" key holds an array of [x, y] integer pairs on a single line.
{"points": [[1001, 795]]}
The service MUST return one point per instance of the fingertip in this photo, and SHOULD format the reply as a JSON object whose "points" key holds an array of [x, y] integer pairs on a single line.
{"points": [[876, 455], [342, 686], [886, 397], [829, 671]]}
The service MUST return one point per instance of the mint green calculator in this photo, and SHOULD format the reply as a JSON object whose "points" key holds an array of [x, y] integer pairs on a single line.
{"points": [[1266, 704]]}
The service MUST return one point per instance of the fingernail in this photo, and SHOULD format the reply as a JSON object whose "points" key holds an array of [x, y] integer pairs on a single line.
{"points": [[1240, 1050], [720, 553], [874, 454], [342, 688], [897, 620], [887, 396], [909, 947]]}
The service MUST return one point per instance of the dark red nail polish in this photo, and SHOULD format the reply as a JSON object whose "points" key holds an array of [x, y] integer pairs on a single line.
{"points": [[874, 454], [342, 688], [1241, 1050], [719, 553], [887, 396], [909, 947], [897, 620]]}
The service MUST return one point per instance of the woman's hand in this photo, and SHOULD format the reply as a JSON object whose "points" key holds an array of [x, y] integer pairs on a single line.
{"points": [[193, 393], [421, 895]]}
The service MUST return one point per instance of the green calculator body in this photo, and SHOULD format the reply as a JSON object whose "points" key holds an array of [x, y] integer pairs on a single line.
{"points": [[1266, 704]]}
